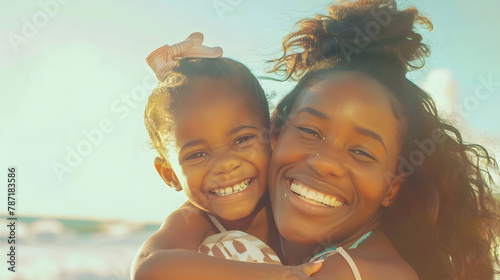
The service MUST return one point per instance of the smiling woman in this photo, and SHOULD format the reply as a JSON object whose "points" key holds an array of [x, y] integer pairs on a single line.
{"points": [[333, 147], [346, 133]]}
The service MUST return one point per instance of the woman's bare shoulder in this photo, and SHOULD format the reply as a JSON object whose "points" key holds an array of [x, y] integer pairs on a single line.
{"points": [[376, 259], [378, 267]]}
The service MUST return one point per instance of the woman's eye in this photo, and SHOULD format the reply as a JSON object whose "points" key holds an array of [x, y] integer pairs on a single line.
{"points": [[196, 155], [363, 153], [243, 139], [309, 131]]}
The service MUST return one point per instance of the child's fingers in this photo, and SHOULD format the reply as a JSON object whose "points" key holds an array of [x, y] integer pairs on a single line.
{"points": [[311, 267]]}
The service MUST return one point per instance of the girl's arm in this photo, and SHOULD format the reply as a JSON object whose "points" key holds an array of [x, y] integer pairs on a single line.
{"points": [[183, 264], [171, 253]]}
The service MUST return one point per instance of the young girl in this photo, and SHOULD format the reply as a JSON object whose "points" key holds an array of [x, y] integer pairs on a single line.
{"points": [[208, 119], [362, 160]]}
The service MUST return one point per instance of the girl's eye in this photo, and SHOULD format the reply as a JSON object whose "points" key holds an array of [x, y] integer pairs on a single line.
{"points": [[363, 153], [196, 155], [309, 131], [243, 139]]}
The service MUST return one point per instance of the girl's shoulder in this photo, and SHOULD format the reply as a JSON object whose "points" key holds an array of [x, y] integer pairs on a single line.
{"points": [[190, 216], [375, 259], [189, 224]]}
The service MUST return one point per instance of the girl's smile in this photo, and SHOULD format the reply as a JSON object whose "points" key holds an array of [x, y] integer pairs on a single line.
{"points": [[219, 153], [232, 193], [231, 188]]}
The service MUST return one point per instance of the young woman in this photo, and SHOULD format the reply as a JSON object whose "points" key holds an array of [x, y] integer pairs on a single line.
{"points": [[362, 159]]}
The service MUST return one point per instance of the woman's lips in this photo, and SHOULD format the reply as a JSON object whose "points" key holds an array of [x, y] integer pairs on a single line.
{"points": [[307, 206], [315, 197]]}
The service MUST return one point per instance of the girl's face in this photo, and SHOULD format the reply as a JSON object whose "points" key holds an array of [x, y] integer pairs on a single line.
{"points": [[220, 155], [333, 162]]}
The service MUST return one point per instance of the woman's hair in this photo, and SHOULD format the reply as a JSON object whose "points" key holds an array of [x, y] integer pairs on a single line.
{"points": [[445, 221], [169, 95]]}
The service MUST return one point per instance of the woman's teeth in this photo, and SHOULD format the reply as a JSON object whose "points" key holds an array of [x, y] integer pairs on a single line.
{"points": [[223, 191], [314, 197]]}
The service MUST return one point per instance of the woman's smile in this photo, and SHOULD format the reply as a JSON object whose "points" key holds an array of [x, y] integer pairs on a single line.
{"points": [[313, 198], [329, 166], [310, 195]]}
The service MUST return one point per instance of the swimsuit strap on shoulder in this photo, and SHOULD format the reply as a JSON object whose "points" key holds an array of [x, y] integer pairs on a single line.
{"points": [[333, 250], [351, 263], [217, 224], [363, 238]]}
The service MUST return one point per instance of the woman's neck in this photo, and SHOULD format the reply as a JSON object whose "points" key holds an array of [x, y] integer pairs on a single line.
{"points": [[296, 254]]}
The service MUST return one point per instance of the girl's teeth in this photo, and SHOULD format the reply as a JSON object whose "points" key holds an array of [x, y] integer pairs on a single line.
{"points": [[230, 190], [314, 197]]}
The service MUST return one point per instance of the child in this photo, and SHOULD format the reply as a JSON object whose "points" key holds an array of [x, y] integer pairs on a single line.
{"points": [[208, 118]]}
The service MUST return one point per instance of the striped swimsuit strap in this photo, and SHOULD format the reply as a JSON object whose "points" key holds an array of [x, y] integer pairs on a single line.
{"points": [[334, 250]]}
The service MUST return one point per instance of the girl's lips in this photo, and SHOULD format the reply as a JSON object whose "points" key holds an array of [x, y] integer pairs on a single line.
{"points": [[238, 190], [233, 188]]}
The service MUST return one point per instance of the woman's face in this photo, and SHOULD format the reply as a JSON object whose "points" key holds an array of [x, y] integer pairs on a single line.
{"points": [[333, 164]]}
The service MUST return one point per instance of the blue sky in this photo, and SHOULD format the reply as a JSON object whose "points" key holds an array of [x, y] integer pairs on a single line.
{"points": [[73, 78]]}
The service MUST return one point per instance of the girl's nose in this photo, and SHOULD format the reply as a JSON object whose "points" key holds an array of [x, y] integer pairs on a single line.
{"points": [[326, 164], [225, 164]]}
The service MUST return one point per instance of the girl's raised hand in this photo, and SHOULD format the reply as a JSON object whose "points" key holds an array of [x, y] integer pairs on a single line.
{"points": [[302, 272], [311, 267]]}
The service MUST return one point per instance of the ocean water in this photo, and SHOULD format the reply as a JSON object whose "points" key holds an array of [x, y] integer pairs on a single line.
{"points": [[62, 249]]}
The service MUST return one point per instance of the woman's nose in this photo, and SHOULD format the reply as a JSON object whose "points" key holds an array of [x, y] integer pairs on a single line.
{"points": [[225, 164], [327, 164]]}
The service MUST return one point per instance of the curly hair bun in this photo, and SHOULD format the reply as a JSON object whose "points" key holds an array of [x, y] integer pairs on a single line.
{"points": [[360, 30]]}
